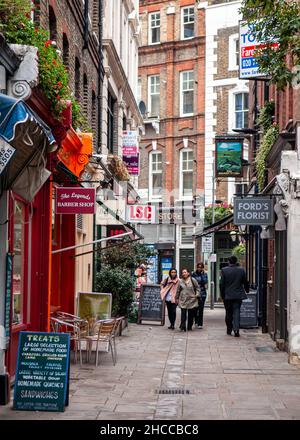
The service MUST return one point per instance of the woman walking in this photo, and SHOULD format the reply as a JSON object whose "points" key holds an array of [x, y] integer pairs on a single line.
{"points": [[187, 295], [168, 292], [201, 277]]}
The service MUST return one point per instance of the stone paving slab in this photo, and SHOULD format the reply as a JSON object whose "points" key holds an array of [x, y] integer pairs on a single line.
{"points": [[227, 378]]}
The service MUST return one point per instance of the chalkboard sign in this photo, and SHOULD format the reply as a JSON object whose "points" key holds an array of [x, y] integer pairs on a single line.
{"points": [[151, 306], [248, 316], [42, 371]]}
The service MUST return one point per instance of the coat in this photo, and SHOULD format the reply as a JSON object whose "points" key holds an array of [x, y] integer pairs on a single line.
{"points": [[202, 280], [233, 283], [187, 294], [168, 284]]}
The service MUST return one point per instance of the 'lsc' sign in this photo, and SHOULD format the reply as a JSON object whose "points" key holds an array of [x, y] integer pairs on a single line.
{"points": [[253, 211]]}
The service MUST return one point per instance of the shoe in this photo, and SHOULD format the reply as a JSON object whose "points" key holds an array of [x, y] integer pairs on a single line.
{"points": [[183, 329], [229, 332], [200, 326], [237, 334], [171, 327]]}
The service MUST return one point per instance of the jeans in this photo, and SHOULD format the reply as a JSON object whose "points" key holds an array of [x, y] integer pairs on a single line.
{"points": [[189, 313], [171, 312], [232, 317], [199, 312]]}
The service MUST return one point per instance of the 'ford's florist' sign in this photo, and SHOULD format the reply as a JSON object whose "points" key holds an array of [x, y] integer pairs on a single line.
{"points": [[253, 211]]}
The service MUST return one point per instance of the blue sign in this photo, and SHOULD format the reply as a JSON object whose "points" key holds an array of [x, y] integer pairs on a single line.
{"points": [[152, 267], [42, 371], [166, 266]]}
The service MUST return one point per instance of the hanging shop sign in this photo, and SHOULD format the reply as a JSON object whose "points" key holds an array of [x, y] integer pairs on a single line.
{"points": [[6, 153], [132, 164], [104, 215], [253, 211], [228, 156], [141, 214], [207, 244], [75, 200], [249, 47], [42, 372]]}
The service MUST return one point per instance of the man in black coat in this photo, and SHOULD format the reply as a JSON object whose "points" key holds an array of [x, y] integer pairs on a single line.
{"points": [[233, 285]]}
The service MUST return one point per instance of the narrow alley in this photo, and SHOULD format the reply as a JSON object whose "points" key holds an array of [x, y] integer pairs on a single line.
{"points": [[220, 376]]}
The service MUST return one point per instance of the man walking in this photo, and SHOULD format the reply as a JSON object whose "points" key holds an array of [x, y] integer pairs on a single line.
{"points": [[201, 277], [233, 285]]}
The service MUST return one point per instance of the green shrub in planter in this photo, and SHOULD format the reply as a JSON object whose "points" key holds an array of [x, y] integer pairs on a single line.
{"points": [[120, 284]]}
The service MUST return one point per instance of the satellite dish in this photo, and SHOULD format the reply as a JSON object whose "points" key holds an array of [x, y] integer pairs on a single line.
{"points": [[142, 107]]}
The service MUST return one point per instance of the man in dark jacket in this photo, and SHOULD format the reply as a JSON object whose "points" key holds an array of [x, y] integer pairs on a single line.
{"points": [[233, 285], [201, 277]]}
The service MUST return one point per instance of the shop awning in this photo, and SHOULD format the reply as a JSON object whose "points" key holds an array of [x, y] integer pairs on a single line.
{"points": [[216, 226], [31, 138]]}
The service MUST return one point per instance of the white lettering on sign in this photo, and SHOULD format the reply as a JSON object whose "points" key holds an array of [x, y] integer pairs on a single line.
{"points": [[6, 153], [255, 212]]}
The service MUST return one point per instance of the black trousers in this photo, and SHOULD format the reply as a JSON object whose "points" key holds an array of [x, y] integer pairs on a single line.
{"points": [[232, 317], [189, 314], [199, 312], [171, 312]]}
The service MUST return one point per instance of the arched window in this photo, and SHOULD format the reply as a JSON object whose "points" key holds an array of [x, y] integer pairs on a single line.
{"points": [[66, 50], [85, 95], [155, 175], [52, 24], [77, 79]]}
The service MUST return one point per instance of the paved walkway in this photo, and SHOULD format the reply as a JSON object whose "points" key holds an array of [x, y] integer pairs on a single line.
{"points": [[227, 378]]}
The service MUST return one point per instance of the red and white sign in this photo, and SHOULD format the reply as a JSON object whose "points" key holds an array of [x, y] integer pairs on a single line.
{"points": [[141, 214], [75, 201]]}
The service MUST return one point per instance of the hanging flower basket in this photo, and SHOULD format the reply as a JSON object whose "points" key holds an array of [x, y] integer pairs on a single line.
{"points": [[118, 168]]}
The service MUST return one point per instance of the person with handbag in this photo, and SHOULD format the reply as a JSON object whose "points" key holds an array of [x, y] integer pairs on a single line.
{"points": [[168, 293], [233, 288], [187, 295], [201, 277]]}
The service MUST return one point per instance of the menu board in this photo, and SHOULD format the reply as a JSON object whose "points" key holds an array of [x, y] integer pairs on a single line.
{"points": [[248, 315], [42, 371], [151, 306]]}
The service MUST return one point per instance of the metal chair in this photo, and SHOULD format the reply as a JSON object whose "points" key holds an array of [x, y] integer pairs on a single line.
{"points": [[104, 332], [74, 330]]}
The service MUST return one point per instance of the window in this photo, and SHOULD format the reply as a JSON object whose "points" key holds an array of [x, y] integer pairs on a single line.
{"points": [[187, 22], [154, 92], [94, 114], [187, 235], [85, 95], [77, 79], [110, 122], [18, 263], [187, 93], [154, 28], [234, 52], [155, 179], [186, 175], [139, 90], [65, 50], [52, 24], [241, 110]]}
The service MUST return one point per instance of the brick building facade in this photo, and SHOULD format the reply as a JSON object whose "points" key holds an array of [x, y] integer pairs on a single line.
{"points": [[172, 86]]}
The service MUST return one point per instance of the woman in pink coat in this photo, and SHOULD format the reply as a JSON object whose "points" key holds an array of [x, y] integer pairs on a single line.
{"points": [[168, 292]]}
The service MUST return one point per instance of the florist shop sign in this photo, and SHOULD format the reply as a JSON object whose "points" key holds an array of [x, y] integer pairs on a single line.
{"points": [[75, 201], [253, 211]]}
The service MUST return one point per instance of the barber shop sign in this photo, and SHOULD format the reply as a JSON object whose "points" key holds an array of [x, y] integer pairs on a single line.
{"points": [[75, 201]]}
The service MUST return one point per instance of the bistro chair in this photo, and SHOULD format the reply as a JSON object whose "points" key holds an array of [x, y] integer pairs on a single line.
{"points": [[104, 333], [74, 330]]}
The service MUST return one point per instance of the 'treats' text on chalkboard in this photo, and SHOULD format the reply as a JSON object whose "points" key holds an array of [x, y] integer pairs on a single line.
{"points": [[42, 371], [151, 307], [248, 315]]}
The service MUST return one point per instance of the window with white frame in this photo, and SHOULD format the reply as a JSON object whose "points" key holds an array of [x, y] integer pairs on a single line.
{"points": [[187, 22], [187, 235], [241, 109], [186, 173], [187, 93], [154, 28], [154, 95], [234, 52], [155, 178]]}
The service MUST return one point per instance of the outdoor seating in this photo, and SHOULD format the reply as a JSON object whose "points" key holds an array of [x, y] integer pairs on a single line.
{"points": [[103, 334], [75, 329]]}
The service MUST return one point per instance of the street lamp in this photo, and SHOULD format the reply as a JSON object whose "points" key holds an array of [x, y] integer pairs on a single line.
{"points": [[233, 236]]}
